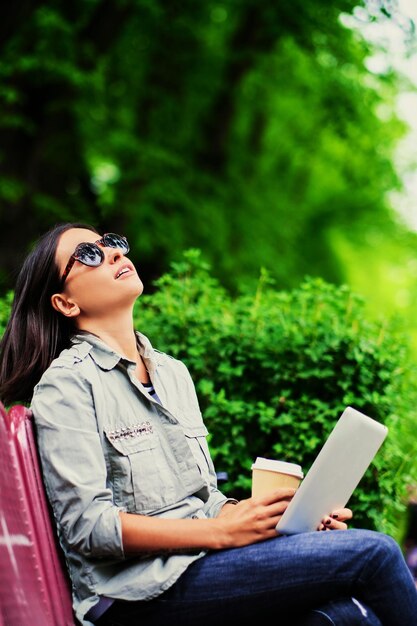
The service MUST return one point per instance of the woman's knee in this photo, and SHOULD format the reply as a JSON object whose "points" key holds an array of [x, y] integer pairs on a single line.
{"points": [[381, 550], [384, 545]]}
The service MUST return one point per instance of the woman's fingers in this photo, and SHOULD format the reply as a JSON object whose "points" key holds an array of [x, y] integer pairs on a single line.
{"points": [[283, 493], [342, 515], [336, 520], [263, 511], [331, 524]]}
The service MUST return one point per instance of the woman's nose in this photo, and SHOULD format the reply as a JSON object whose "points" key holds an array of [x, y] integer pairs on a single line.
{"points": [[113, 254]]}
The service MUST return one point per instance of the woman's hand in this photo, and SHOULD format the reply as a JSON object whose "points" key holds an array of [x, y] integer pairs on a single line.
{"points": [[253, 519], [336, 520]]}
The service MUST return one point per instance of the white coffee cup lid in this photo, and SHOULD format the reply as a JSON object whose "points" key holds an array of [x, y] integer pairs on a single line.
{"points": [[278, 466]]}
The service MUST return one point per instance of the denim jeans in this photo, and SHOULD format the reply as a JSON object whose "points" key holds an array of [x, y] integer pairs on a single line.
{"points": [[346, 578]]}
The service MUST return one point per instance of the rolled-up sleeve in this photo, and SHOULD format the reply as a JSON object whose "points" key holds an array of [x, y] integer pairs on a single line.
{"points": [[217, 499], [73, 464], [216, 502]]}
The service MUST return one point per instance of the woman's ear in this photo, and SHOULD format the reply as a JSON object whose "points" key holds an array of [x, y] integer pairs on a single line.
{"points": [[65, 305]]}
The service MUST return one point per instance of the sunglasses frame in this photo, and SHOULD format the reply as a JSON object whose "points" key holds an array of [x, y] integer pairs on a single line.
{"points": [[103, 241]]}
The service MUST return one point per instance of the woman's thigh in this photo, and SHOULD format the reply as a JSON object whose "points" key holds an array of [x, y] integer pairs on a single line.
{"points": [[341, 612], [284, 577], [298, 571]]}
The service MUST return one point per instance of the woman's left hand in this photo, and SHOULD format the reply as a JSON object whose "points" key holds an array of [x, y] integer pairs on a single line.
{"points": [[336, 520]]}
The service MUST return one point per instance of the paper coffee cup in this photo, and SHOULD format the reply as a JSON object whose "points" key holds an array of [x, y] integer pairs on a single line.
{"points": [[268, 474]]}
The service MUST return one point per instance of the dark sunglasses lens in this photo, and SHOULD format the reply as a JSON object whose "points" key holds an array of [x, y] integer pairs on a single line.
{"points": [[89, 254], [116, 241]]}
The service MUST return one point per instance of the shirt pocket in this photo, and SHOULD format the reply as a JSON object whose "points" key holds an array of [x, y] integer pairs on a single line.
{"points": [[139, 483]]}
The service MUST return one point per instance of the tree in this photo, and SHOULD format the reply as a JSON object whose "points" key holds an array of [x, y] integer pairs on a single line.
{"points": [[246, 128]]}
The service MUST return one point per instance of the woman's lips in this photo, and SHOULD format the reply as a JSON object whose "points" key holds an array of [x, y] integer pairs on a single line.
{"points": [[125, 269]]}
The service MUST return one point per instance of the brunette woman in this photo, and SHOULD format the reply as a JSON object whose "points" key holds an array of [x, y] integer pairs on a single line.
{"points": [[147, 535]]}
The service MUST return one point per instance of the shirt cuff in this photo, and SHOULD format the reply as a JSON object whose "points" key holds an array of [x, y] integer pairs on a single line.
{"points": [[230, 501]]}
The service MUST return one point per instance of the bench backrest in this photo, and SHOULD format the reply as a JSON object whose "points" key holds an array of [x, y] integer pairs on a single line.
{"points": [[34, 588]]}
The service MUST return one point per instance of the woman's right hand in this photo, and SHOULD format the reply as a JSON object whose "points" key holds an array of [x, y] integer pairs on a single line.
{"points": [[253, 519]]}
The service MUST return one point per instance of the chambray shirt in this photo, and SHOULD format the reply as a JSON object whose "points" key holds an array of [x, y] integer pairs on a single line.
{"points": [[106, 447]]}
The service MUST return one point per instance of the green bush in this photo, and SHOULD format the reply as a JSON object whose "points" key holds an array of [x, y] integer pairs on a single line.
{"points": [[274, 371], [5, 306]]}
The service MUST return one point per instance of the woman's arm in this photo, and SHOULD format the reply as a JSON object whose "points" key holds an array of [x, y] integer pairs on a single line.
{"points": [[73, 465], [246, 522]]}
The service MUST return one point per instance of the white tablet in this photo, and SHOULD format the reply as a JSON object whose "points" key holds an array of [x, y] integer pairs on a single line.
{"points": [[335, 473]]}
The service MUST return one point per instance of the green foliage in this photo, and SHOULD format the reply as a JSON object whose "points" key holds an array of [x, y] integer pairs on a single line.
{"points": [[5, 308], [247, 128], [275, 369]]}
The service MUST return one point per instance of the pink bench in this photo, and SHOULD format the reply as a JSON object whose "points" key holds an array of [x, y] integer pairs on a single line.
{"points": [[34, 588]]}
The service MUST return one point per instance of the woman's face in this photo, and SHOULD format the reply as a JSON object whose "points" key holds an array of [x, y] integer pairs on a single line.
{"points": [[95, 291]]}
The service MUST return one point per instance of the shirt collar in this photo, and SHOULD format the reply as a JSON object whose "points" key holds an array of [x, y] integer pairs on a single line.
{"points": [[106, 358]]}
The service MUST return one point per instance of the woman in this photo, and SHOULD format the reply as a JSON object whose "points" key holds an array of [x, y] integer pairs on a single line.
{"points": [[146, 533]]}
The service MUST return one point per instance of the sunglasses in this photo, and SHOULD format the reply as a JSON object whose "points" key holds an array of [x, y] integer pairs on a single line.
{"points": [[90, 254]]}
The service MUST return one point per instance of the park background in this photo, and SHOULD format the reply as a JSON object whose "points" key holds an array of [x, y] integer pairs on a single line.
{"points": [[256, 155]]}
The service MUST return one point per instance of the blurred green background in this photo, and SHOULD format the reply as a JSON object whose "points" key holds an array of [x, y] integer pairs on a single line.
{"points": [[251, 129], [258, 131]]}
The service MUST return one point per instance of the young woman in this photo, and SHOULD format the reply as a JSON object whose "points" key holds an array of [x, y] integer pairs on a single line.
{"points": [[147, 535]]}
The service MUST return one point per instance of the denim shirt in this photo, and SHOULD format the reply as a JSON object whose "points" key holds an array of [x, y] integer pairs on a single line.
{"points": [[105, 447]]}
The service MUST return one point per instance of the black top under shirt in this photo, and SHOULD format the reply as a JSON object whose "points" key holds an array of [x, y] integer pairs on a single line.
{"points": [[151, 391]]}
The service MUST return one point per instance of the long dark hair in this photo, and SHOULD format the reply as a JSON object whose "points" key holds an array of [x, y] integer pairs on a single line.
{"points": [[35, 333]]}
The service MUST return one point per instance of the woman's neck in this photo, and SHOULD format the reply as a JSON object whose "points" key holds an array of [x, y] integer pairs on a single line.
{"points": [[117, 332]]}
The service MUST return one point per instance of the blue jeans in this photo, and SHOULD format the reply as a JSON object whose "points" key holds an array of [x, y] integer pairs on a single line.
{"points": [[346, 578]]}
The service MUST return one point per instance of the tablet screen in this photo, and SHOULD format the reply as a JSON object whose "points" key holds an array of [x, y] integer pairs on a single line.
{"points": [[335, 473]]}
